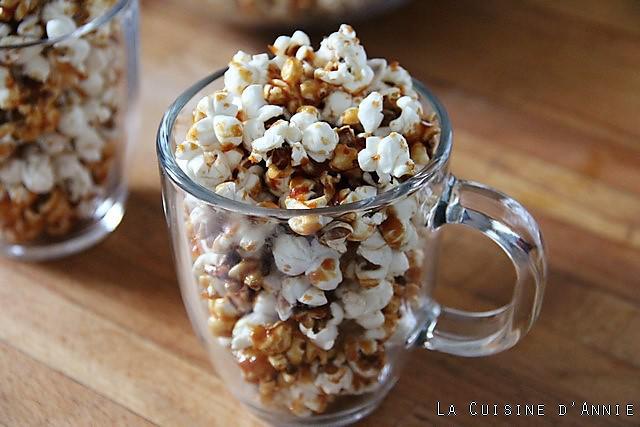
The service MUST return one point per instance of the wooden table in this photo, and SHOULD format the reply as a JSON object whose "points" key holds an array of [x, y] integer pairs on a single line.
{"points": [[545, 100]]}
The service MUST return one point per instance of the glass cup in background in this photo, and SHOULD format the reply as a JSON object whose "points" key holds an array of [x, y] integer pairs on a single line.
{"points": [[295, 13], [212, 235], [67, 113]]}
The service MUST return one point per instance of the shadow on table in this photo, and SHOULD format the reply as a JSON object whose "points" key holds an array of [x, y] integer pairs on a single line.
{"points": [[129, 279], [136, 256]]}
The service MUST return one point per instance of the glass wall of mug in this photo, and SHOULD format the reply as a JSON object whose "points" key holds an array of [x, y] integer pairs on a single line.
{"points": [[306, 315]]}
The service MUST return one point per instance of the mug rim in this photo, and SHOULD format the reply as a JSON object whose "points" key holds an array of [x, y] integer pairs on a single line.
{"points": [[78, 32], [169, 166]]}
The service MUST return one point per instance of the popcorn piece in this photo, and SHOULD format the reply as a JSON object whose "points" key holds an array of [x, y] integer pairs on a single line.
{"points": [[406, 325], [273, 282], [228, 130], [277, 179], [345, 158], [265, 304], [304, 118], [363, 224], [376, 250], [29, 27], [11, 171], [335, 380], [326, 337], [313, 297], [292, 71], [324, 271], [203, 134], [409, 121], [372, 320], [391, 78], [88, 143], [365, 305], [9, 96], [369, 274], [293, 289], [231, 191], [210, 169], [254, 128], [206, 269], [275, 340], [335, 235], [342, 49], [305, 398], [247, 272], [245, 70], [399, 264], [37, 174], [243, 329], [70, 173], [252, 101], [370, 112], [284, 44], [366, 359], [399, 232], [249, 179], [336, 104], [273, 138], [292, 254], [387, 156], [307, 225], [60, 26], [220, 103], [319, 141], [247, 237], [37, 68]]}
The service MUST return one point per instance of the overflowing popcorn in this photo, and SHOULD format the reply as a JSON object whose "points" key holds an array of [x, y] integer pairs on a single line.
{"points": [[311, 306], [59, 116]]}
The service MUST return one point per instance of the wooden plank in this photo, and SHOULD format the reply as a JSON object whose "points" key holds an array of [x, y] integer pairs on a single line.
{"points": [[524, 57], [619, 16], [563, 194], [126, 368], [34, 394], [594, 158]]}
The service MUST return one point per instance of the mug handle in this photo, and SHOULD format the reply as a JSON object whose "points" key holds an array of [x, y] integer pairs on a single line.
{"points": [[511, 226]]}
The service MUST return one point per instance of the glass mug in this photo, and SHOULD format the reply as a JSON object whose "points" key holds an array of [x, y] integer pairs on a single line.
{"points": [[213, 236], [64, 135]]}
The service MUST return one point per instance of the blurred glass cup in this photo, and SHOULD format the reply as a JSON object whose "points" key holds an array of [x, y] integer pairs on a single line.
{"points": [[301, 14], [67, 114]]}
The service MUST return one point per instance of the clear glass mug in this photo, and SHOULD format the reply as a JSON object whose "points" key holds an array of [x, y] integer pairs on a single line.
{"points": [[290, 380], [67, 115]]}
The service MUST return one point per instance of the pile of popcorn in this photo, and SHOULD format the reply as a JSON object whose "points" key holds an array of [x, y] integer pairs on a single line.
{"points": [[59, 116], [309, 307]]}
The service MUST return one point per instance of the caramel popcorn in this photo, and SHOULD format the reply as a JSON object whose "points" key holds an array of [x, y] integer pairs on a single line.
{"points": [[310, 307], [59, 116]]}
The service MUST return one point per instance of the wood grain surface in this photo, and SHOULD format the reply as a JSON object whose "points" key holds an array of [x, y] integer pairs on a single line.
{"points": [[544, 97]]}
